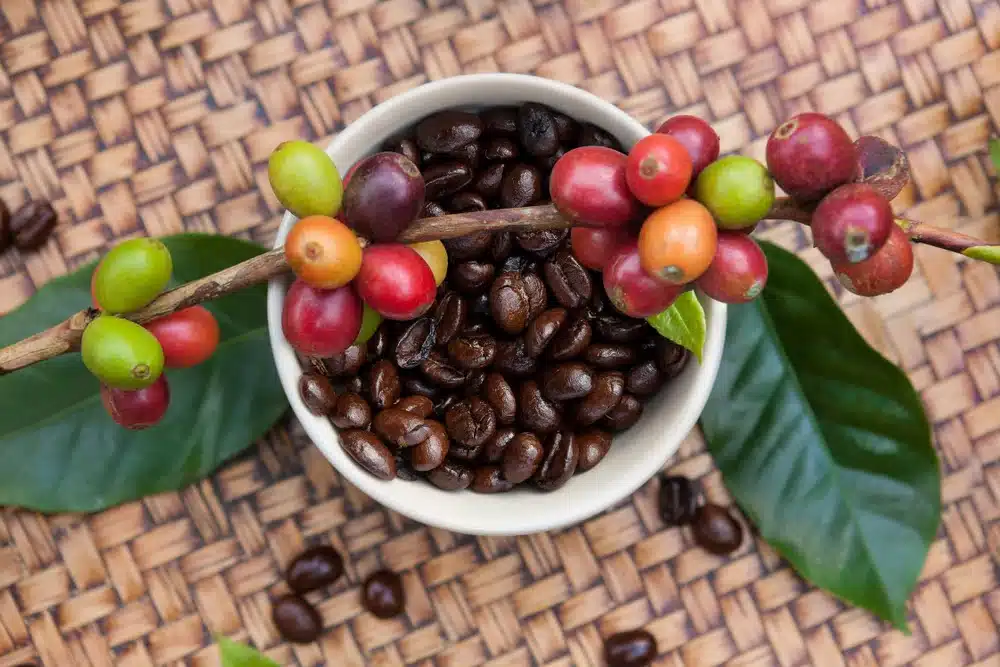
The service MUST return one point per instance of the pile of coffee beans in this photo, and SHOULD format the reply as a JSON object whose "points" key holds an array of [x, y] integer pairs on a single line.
{"points": [[713, 527], [28, 228]]}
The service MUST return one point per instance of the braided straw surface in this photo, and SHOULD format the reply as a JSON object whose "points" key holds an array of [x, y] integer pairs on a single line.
{"points": [[157, 116]]}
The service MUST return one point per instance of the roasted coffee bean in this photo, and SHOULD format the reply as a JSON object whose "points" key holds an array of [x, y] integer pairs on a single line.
{"points": [[670, 357], [522, 457], [464, 202], [643, 379], [509, 302], [400, 428], [32, 225], [348, 362], [432, 209], [377, 344], [382, 594], [598, 301], [358, 384], [632, 648], [517, 264], [474, 385], [609, 355], [406, 147], [538, 297], [351, 411], [404, 470], [469, 154], [572, 338], [542, 242], [441, 406], [678, 500], [469, 246], [317, 393], [439, 370], [415, 342], [593, 446], [383, 384], [445, 178], [559, 464], [450, 314], [522, 186], [500, 396], [500, 149], [490, 180], [369, 452], [625, 414], [568, 280], [542, 330], [494, 448], [297, 621], [421, 406], [500, 121], [450, 476], [536, 129], [512, 359], [501, 247], [446, 131], [5, 239], [480, 306], [567, 381], [431, 453], [567, 129], [415, 384], [591, 135], [314, 568], [547, 164], [607, 391], [470, 422], [473, 352], [715, 530], [490, 479], [428, 158], [471, 277], [618, 329], [535, 412]]}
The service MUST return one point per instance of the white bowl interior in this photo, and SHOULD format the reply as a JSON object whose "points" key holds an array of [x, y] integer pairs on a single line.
{"points": [[635, 456]]}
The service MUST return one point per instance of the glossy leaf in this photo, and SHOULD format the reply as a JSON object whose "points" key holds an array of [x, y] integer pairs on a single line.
{"points": [[61, 450], [683, 322], [234, 654], [824, 443]]}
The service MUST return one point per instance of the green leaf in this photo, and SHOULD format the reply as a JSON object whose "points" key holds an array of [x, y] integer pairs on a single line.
{"points": [[683, 322], [984, 253], [234, 654], [995, 153], [824, 443], [62, 452]]}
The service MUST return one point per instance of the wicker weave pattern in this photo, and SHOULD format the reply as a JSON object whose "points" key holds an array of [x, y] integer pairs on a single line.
{"points": [[157, 116]]}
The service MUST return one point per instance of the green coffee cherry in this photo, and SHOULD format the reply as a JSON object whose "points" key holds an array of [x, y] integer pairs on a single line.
{"points": [[305, 180], [737, 189], [121, 353], [132, 274]]}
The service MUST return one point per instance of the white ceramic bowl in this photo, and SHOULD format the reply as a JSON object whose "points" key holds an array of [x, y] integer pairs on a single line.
{"points": [[635, 455]]}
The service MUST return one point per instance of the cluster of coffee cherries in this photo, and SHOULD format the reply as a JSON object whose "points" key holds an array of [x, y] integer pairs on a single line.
{"points": [[129, 358]]}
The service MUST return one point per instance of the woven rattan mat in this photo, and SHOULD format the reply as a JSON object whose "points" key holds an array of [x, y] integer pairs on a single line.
{"points": [[157, 116]]}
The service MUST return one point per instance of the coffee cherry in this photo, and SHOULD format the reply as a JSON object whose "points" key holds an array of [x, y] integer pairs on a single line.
{"points": [[436, 256], [188, 337], [594, 246], [304, 179], [370, 322], [738, 272], [385, 194], [140, 408], [737, 190], [323, 252], [396, 281], [887, 270], [632, 290], [658, 170], [809, 155], [120, 353], [677, 242], [132, 274], [318, 322], [697, 136], [851, 223], [588, 185]]}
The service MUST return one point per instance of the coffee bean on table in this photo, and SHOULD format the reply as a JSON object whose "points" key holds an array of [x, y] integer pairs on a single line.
{"points": [[351, 411], [572, 338], [500, 149], [470, 277], [369, 452], [522, 457], [431, 453], [348, 362], [537, 129], [522, 186], [406, 147], [715, 530], [609, 355], [541, 242], [446, 131], [607, 392], [643, 379], [441, 371], [512, 360], [383, 384], [32, 225], [470, 422], [632, 648], [490, 180], [314, 568], [445, 178], [450, 476], [469, 154], [382, 594], [450, 315], [495, 447], [501, 398], [670, 357], [538, 298], [490, 479], [465, 202], [473, 352], [559, 464], [678, 500], [415, 342], [509, 302], [593, 446], [535, 412], [317, 393], [296, 620], [400, 428], [625, 414], [542, 330], [469, 246], [500, 121], [568, 280], [419, 405], [566, 381]]}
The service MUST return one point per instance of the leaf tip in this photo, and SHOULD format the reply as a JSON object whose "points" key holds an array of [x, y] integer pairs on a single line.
{"points": [[683, 323], [984, 253]]}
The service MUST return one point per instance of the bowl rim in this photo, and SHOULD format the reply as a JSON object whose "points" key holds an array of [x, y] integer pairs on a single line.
{"points": [[374, 122]]}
